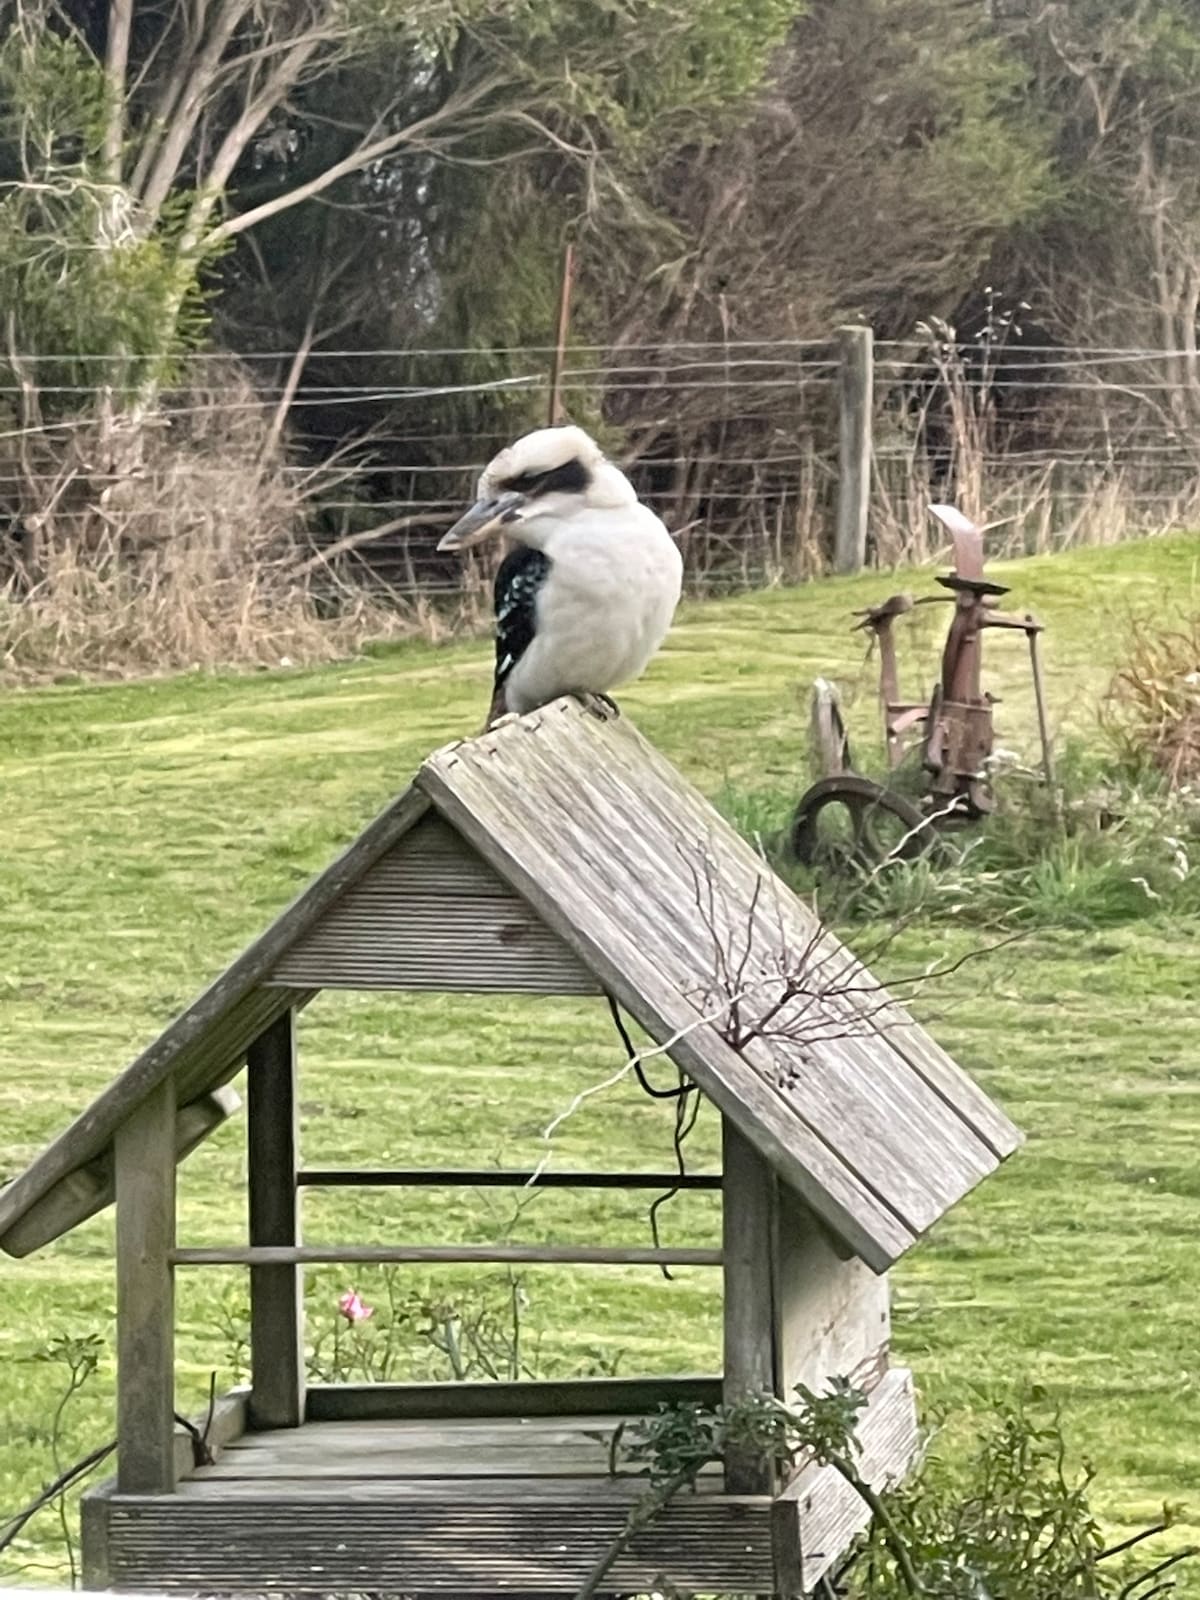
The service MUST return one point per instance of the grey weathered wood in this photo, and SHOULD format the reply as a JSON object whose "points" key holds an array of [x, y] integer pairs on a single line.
{"points": [[831, 1312], [563, 1398], [748, 1234], [432, 915], [229, 1419], [579, 884], [855, 404], [81, 1194], [831, 1511], [531, 1254], [918, 1144], [497, 1178], [145, 1179], [341, 1543], [276, 1292], [191, 1032], [93, 1535], [856, 1089]]}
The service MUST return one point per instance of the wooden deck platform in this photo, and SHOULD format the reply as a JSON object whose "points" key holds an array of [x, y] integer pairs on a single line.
{"points": [[501, 1506]]}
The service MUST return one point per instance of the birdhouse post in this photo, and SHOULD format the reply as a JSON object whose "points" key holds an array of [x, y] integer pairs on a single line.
{"points": [[557, 855]]}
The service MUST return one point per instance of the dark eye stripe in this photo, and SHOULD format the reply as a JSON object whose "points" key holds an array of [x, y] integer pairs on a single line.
{"points": [[571, 478]]}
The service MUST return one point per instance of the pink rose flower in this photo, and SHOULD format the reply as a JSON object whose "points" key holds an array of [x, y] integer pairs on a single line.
{"points": [[354, 1308]]}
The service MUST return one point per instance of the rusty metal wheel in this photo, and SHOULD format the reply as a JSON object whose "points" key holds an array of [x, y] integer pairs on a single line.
{"points": [[848, 822]]}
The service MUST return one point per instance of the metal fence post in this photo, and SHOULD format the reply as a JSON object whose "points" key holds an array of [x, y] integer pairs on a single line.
{"points": [[856, 361]]}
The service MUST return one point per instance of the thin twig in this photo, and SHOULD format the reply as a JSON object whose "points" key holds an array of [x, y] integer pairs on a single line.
{"points": [[80, 1469]]}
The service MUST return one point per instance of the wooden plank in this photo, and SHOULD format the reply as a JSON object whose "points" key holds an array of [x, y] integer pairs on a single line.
{"points": [[828, 1082], [855, 406], [475, 1464], [276, 1292], [486, 800], [617, 1491], [432, 915], [497, 1178], [145, 1177], [576, 1255], [93, 1535], [82, 1194], [849, 1084], [748, 1220], [831, 1511], [831, 1312], [350, 1443], [915, 1148], [227, 1423], [92, 1130], [566, 1397], [345, 1544]]}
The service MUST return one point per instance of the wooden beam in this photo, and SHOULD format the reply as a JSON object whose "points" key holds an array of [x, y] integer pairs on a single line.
{"points": [[494, 1178], [748, 1225], [855, 391], [569, 1397], [831, 1512], [570, 1255], [276, 1292], [81, 1194], [226, 1423], [145, 1179]]}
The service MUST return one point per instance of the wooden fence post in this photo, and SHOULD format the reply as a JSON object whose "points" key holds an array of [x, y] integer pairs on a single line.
{"points": [[276, 1293], [856, 362], [748, 1228], [145, 1181]]}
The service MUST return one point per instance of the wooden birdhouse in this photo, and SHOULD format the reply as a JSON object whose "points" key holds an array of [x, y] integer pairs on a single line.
{"points": [[560, 854]]}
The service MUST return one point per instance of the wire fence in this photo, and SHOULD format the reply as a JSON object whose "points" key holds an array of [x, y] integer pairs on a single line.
{"points": [[735, 444]]}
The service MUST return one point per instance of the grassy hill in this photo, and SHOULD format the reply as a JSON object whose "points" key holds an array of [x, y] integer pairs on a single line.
{"points": [[153, 828]]}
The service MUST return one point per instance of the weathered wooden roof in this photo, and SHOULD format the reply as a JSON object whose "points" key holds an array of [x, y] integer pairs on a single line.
{"points": [[562, 853]]}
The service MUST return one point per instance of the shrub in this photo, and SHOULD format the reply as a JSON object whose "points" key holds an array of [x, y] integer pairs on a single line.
{"points": [[1153, 712]]}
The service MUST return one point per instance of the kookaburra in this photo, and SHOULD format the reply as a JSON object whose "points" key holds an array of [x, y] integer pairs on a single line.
{"points": [[587, 595]]}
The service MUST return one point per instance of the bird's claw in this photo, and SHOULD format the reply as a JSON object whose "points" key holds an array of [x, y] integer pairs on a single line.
{"points": [[503, 722], [599, 705]]}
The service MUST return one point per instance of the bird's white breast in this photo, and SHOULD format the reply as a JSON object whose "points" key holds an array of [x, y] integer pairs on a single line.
{"points": [[606, 605]]}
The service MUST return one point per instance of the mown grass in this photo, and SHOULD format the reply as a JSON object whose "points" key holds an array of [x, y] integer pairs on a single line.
{"points": [[153, 828]]}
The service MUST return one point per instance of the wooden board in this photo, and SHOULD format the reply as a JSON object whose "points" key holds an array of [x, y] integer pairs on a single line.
{"points": [[674, 911], [462, 1404], [82, 1194], [482, 1544], [831, 1512], [276, 1292], [432, 915], [145, 1179]]}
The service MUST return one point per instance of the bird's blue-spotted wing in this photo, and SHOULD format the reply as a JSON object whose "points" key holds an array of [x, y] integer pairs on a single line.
{"points": [[522, 574]]}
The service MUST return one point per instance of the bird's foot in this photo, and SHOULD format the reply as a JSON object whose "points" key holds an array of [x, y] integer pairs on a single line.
{"points": [[503, 722], [600, 705]]}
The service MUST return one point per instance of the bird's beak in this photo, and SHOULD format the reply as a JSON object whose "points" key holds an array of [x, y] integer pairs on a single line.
{"points": [[484, 517]]}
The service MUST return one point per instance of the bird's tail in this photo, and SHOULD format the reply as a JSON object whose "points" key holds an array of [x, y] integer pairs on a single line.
{"points": [[497, 708]]}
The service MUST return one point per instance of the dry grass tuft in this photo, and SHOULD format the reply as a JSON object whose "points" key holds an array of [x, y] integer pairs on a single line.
{"points": [[1154, 700], [170, 541]]}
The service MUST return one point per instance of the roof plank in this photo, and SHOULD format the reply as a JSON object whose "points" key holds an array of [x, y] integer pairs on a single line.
{"points": [[575, 897]]}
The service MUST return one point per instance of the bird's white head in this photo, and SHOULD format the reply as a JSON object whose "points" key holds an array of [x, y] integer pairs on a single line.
{"points": [[543, 475]]}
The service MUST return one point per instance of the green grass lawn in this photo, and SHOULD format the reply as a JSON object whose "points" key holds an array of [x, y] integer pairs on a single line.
{"points": [[152, 829]]}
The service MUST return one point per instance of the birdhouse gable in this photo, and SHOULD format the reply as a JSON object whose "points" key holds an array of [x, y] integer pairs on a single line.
{"points": [[561, 854]]}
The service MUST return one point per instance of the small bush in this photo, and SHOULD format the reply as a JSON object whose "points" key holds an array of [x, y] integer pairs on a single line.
{"points": [[1011, 1519], [1103, 848], [172, 541], [1153, 712]]}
